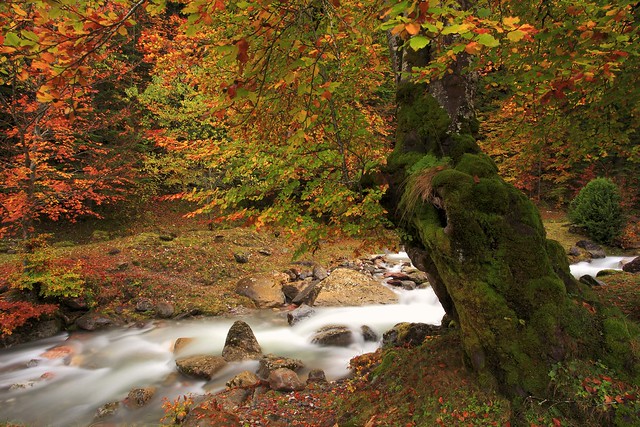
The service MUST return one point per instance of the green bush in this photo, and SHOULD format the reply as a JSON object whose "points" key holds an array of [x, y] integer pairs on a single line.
{"points": [[597, 209]]}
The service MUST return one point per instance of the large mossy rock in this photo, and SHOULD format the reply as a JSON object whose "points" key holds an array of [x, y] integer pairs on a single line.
{"points": [[483, 246]]}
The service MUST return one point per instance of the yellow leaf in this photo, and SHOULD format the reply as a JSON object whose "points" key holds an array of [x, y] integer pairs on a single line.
{"points": [[44, 97], [511, 21], [123, 31], [515, 35]]}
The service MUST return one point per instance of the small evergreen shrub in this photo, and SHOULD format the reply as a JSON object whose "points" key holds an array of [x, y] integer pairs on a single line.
{"points": [[597, 209]]}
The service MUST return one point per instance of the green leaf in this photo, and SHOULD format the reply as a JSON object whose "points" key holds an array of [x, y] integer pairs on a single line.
{"points": [[488, 40], [456, 29], [11, 39], [418, 42], [399, 8], [484, 13]]}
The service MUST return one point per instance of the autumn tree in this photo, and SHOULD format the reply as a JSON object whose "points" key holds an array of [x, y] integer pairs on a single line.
{"points": [[284, 123], [568, 113], [53, 56]]}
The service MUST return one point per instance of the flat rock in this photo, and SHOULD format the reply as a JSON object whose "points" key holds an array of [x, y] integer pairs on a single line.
{"points": [[264, 291], [346, 287], [336, 336], [204, 367]]}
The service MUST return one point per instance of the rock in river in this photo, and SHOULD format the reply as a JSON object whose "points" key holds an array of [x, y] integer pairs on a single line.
{"points": [[241, 343]]}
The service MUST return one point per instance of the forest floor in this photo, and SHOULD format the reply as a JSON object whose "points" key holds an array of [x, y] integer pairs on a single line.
{"points": [[163, 256]]}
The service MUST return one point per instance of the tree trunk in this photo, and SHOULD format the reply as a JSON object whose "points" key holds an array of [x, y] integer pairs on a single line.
{"points": [[482, 244]]}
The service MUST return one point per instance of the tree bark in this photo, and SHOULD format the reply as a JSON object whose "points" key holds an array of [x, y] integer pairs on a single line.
{"points": [[482, 244]]}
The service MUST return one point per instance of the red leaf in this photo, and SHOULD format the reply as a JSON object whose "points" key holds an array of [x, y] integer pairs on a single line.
{"points": [[243, 47]]}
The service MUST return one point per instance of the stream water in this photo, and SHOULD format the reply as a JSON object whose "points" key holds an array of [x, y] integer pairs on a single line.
{"points": [[102, 367]]}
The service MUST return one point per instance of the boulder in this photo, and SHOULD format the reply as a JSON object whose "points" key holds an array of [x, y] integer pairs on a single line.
{"points": [[164, 310], [319, 272], [33, 330], [139, 397], [291, 290], [241, 258], [418, 277], [594, 249], [271, 362], [299, 314], [632, 266], [408, 334], [204, 367], [348, 287], [577, 254], [92, 321], [241, 343], [144, 304], [369, 334], [264, 291], [308, 294], [333, 335], [316, 376], [107, 410], [244, 379], [283, 379], [75, 303]]}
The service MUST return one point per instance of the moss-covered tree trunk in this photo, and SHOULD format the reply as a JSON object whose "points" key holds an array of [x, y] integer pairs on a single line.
{"points": [[482, 243]]}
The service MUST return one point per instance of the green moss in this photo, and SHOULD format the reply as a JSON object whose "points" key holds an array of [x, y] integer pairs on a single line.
{"points": [[460, 144], [622, 341], [479, 165], [452, 181], [399, 159], [427, 161], [422, 124]]}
